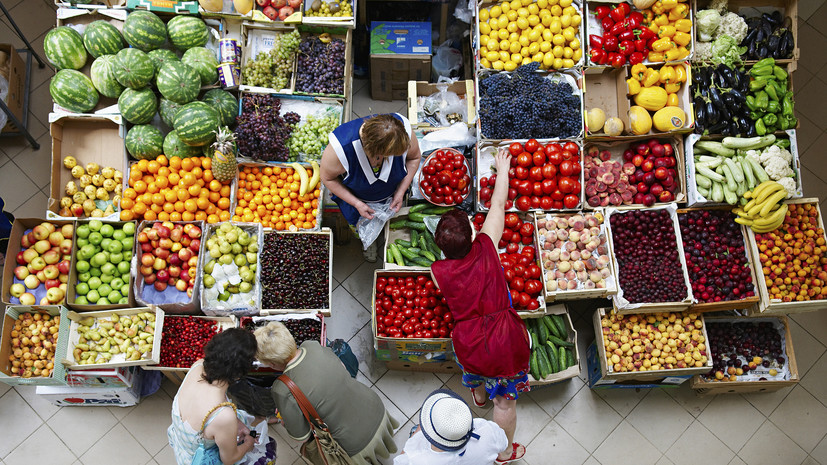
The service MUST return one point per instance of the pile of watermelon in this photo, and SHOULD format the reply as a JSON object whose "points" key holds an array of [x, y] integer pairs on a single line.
{"points": [[149, 67]]}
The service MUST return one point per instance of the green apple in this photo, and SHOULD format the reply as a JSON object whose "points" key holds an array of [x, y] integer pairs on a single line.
{"points": [[123, 300], [107, 278], [82, 289], [81, 242], [108, 269], [81, 300], [104, 289], [127, 254], [95, 238], [95, 225], [82, 266], [105, 243], [99, 259], [84, 277], [114, 296], [114, 247], [123, 266], [83, 231], [87, 251], [93, 296], [95, 272], [116, 283], [118, 235], [125, 289], [116, 258], [129, 229], [103, 301], [107, 230], [126, 244], [94, 282]]}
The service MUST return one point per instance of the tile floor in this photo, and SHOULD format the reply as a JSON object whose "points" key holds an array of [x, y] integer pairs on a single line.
{"points": [[565, 423]]}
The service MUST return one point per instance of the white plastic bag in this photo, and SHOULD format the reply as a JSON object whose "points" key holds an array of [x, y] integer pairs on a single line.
{"points": [[262, 438], [4, 93], [447, 61], [464, 11], [369, 229]]}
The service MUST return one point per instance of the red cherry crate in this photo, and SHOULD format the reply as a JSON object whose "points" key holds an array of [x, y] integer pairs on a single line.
{"points": [[222, 323]]}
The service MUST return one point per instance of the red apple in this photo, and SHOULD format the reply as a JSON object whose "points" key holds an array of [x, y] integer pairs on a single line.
{"points": [[143, 237], [42, 246], [41, 276], [181, 285], [193, 262], [185, 241], [174, 260], [150, 278], [55, 238], [163, 275], [146, 247], [165, 243], [161, 253], [176, 233], [64, 266], [263, 3], [51, 272], [21, 258], [194, 232], [191, 272], [41, 232], [163, 231], [152, 234], [174, 271], [21, 272], [146, 270], [185, 254], [51, 257], [195, 245], [159, 264], [63, 278], [278, 3], [147, 259], [66, 246], [160, 286], [50, 283]]}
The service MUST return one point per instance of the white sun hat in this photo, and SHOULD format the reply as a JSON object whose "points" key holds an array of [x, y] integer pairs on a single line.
{"points": [[446, 420]]}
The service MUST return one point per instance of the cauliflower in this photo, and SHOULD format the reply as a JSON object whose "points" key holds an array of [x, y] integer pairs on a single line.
{"points": [[703, 51], [707, 22], [789, 185], [732, 25], [777, 168], [774, 151], [755, 155]]}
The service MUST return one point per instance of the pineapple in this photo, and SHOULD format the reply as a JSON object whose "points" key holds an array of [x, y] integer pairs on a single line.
{"points": [[224, 164]]}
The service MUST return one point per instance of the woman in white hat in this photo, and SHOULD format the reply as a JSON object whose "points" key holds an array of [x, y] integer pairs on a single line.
{"points": [[449, 434]]}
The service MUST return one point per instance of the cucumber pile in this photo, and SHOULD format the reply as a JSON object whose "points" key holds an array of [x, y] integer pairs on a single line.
{"points": [[421, 250], [551, 350]]}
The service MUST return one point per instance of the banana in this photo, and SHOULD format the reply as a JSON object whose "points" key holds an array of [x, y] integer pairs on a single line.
{"points": [[768, 191], [766, 229], [757, 191], [314, 180], [753, 212], [772, 200], [744, 221], [740, 212], [749, 204], [776, 217], [303, 175], [747, 195]]}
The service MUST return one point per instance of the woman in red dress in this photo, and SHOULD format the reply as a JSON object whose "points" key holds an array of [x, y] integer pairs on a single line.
{"points": [[490, 340]]}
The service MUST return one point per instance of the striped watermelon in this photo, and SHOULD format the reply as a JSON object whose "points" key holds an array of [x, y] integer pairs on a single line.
{"points": [[161, 56], [175, 147], [186, 32], [138, 106], [178, 82], [73, 91], [102, 38], [224, 103], [168, 109], [196, 123], [144, 142], [103, 76], [64, 48], [202, 60], [144, 30], [133, 68]]}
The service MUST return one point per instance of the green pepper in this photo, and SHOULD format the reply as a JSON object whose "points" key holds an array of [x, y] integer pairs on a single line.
{"points": [[773, 106], [761, 70], [787, 106], [761, 100], [771, 91], [760, 129], [769, 119], [783, 143], [755, 115], [757, 84], [779, 72], [751, 103], [788, 122], [765, 62]]}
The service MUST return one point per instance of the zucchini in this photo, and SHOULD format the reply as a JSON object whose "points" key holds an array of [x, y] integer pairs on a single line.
{"points": [[760, 174], [711, 175], [542, 333], [735, 169], [414, 236], [559, 342], [702, 181], [560, 322], [416, 217], [749, 175], [717, 192], [418, 207], [398, 224], [729, 195], [553, 360], [388, 256], [717, 148], [414, 225], [748, 143]]}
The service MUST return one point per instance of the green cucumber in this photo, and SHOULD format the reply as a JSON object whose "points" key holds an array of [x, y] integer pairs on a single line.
{"points": [[552, 328], [403, 243], [406, 253], [427, 254], [559, 342], [423, 244], [533, 365], [397, 257], [543, 333], [388, 256], [419, 261], [398, 224], [414, 236], [418, 208], [563, 333], [546, 366], [417, 217], [414, 225], [551, 354], [563, 358], [570, 361], [437, 210]]}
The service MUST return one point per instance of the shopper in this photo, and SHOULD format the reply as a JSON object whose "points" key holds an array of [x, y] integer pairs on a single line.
{"points": [[448, 434], [490, 340], [355, 414], [370, 159], [202, 400]]}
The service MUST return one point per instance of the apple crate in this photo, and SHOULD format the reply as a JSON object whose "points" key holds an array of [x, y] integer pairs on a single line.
{"points": [[18, 230], [787, 376], [222, 323], [58, 374], [545, 247], [210, 306], [118, 360], [572, 371], [744, 303], [770, 306]]}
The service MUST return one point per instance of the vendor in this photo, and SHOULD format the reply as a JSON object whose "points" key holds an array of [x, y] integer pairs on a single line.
{"points": [[370, 159]]}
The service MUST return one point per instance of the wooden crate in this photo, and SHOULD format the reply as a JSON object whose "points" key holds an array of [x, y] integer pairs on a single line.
{"points": [[571, 371], [58, 374], [176, 374]]}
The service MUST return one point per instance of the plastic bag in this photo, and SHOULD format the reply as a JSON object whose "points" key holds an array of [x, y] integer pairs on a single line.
{"points": [[464, 11], [443, 108], [447, 61], [4, 92], [342, 349], [369, 229], [263, 447]]}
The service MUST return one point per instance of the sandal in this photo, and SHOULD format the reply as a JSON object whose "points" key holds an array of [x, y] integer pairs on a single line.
{"points": [[476, 402], [514, 456]]}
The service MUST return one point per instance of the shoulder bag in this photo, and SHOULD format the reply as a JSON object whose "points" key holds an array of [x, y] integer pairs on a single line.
{"points": [[209, 455]]}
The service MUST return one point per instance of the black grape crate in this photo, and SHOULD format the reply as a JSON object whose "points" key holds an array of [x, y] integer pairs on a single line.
{"points": [[341, 33]]}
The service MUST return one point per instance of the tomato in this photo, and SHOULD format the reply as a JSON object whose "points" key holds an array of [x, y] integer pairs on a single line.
{"points": [[558, 196], [576, 187], [557, 204], [524, 187], [571, 147], [429, 169], [528, 240], [549, 171], [566, 185], [537, 189], [519, 269], [509, 204], [483, 182], [555, 158], [525, 299], [536, 173], [552, 148], [539, 158], [463, 182], [524, 160], [509, 275], [512, 194], [575, 167], [533, 287], [533, 271], [527, 229], [515, 296], [521, 172], [545, 203], [507, 233], [566, 169], [511, 220], [528, 251], [548, 186], [515, 148], [479, 218], [507, 263], [458, 198], [436, 198], [523, 204], [518, 283], [571, 201], [532, 145], [533, 305], [485, 193]]}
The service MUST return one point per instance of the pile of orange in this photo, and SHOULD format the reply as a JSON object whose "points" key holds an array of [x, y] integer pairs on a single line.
{"points": [[175, 189], [270, 195]]}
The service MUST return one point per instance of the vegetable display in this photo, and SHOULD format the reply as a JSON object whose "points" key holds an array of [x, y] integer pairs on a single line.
{"points": [[445, 179], [769, 36], [552, 347], [719, 34], [295, 271], [420, 250], [656, 90], [411, 306], [720, 101], [769, 99]]}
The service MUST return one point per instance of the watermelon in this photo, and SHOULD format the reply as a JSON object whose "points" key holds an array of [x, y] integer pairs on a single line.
{"points": [[175, 147], [186, 32], [64, 48], [202, 60], [102, 38], [144, 30], [196, 123], [133, 68], [73, 91], [178, 82], [168, 109], [144, 142], [103, 76], [224, 103], [161, 56], [138, 106]]}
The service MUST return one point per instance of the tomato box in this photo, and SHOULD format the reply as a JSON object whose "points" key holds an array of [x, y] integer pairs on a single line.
{"points": [[224, 276], [221, 323], [8, 356], [569, 372]]}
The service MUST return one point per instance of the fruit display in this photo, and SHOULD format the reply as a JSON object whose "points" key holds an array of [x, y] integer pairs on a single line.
{"points": [[73, 91], [552, 347], [231, 275], [103, 252], [715, 252], [516, 33], [343, 8], [413, 244], [321, 65], [282, 197], [295, 271], [279, 9], [525, 104], [302, 329], [747, 350], [43, 265], [793, 257], [262, 130], [654, 341], [115, 338], [445, 179], [649, 256], [273, 68], [410, 306], [175, 189], [648, 172], [95, 191], [34, 339], [541, 177], [597, 122], [168, 259], [63, 47], [765, 211], [656, 91], [183, 339], [575, 253], [310, 137]]}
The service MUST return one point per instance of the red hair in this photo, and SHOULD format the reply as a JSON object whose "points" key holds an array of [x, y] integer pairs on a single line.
{"points": [[453, 234]]}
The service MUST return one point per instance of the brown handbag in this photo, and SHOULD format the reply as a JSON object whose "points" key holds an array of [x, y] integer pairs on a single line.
{"points": [[321, 448]]}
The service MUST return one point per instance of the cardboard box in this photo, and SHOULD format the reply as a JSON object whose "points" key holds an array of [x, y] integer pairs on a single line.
{"points": [[88, 138], [208, 306], [118, 360], [424, 367], [605, 88], [58, 375], [391, 235], [400, 38], [86, 396], [417, 89], [336, 21], [93, 5], [256, 14], [340, 33], [703, 386], [222, 323], [122, 377], [400, 52], [20, 226], [695, 198], [16, 69], [572, 371], [179, 7], [596, 380], [257, 38]]}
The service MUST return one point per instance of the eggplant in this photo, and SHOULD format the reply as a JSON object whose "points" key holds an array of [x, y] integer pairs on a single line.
{"points": [[737, 96], [723, 112], [712, 116], [752, 132], [719, 79], [774, 18], [743, 86], [787, 23], [715, 97], [766, 28], [763, 51], [745, 124], [789, 44], [774, 40], [717, 128], [749, 37]]}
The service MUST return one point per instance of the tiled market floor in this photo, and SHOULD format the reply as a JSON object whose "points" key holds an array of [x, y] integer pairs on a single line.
{"points": [[563, 424]]}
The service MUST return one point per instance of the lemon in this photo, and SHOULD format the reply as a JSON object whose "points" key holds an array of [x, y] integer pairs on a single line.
{"points": [[483, 51], [565, 3], [513, 37], [542, 3], [496, 11], [494, 24], [534, 9], [548, 59], [522, 12], [578, 54], [515, 47], [534, 35], [484, 14], [547, 35], [484, 29], [498, 65], [504, 56], [505, 45], [524, 41], [569, 34], [526, 61], [558, 63], [524, 52], [570, 10], [555, 26], [533, 20], [502, 34], [557, 51], [533, 48], [515, 5], [506, 7], [568, 63], [568, 52], [557, 40], [522, 23], [485, 63], [492, 56], [545, 19], [511, 15], [516, 58], [565, 21], [574, 43], [576, 20], [556, 10], [493, 45], [502, 21], [510, 66], [545, 46], [526, 2], [538, 57]]}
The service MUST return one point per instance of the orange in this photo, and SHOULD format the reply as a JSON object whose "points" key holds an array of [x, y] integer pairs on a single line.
{"points": [[142, 165], [175, 216], [175, 163], [215, 186], [158, 199], [196, 161], [148, 178], [211, 209], [205, 193], [153, 166], [188, 179], [130, 193], [239, 210], [201, 204], [174, 178], [162, 182], [152, 188], [206, 163], [224, 216], [139, 209], [150, 215], [163, 216], [197, 172], [225, 191], [127, 203], [169, 195], [183, 194], [156, 208], [140, 187], [279, 226], [200, 216], [242, 203], [162, 160], [212, 219], [146, 198], [187, 216], [135, 175], [127, 215], [163, 172], [207, 176], [248, 217], [169, 207], [180, 206], [191, 205], [194, 190], [187, 164]]}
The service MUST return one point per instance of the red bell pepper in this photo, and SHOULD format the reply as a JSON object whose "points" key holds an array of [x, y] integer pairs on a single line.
{"points": [[640, 45], [620, 12], [602, 11], [598, 56], [610, 43], [636, 58], [636, 18], [607, 24], [617, 60], [645, 33], [595, 41], [626, 35], [626, 47]]}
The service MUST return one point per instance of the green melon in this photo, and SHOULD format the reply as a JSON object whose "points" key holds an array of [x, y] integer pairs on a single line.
{"points": [[138, 106], [103, 76], [202, 60], [175, 147], [178, 82], [186, 32], [168, 109], [73, 91], [64, 48], [144, 142], [161, 56], [144, 30], [224, 103], [196, 123], [102, 38], [133, 68]]}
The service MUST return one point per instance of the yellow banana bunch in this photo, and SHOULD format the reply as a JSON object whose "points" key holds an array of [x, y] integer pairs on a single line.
{"points": [[763, 213], [305, 180]]}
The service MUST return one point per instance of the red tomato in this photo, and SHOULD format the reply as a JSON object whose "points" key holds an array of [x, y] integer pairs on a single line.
{"points": [[539, 158], [535, 173], [518, 283], [575, 167], [533, 287], [528, 251], [534, 202], [429, 169], [524, 160], [512, 194], [509, 275], [524, 187], [521, 172], [485, 193], [537, 189], [545, 203], [532, 145], [511, 220], [557, 204], [558, 196], [483, 182], [571, 201], [523, 204], [512, 247], [515, 148], [548, 186], [479, 218], [525, 299], [527, 229], [555, 158], [566, 185], [515, 296], [571, 147], [533, 271], [549, 171], [566, 169]]}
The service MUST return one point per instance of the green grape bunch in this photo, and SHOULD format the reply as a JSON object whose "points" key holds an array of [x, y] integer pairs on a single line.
{"points": [[273, 68], [311, 137]]}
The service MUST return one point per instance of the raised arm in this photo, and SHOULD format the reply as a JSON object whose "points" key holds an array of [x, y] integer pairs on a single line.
{"points": [[493, 225]]}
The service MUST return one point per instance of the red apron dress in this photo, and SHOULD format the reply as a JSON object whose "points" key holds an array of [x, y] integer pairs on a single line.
{"points": [[489, 337]]}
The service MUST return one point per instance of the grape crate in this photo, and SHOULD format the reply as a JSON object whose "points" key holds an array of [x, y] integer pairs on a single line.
{"points": [[321, 65], [273, 68], [262, 131]]}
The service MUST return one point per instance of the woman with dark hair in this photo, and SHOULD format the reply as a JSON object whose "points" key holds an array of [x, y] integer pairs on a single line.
{"points": [[490, 340], [201, 410]]}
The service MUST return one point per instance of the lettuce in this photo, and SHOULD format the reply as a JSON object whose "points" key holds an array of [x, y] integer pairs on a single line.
{"points": [[725, 50]]}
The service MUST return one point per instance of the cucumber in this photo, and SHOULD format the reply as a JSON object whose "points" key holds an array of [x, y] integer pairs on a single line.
{"points": [[432, 244], [535, 340], [414, 236], [570, 361], [418, 208], [419, 261], [542, 333], [547, 321], [398, 224], [545, 365], [437, 210], [563, 358], [414, 225], [551, 354], [749, 175], [561, 326], [533, 368], [406, 253], [559, 342], [397, 257], [428, 255], [403, 243], [416, 217], [423, 244], [388, 256]]}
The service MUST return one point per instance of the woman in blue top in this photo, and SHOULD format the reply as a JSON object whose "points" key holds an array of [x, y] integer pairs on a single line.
{"points": [[368, 160]]}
